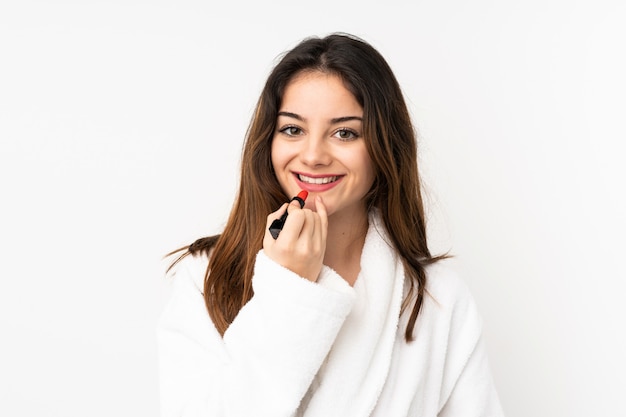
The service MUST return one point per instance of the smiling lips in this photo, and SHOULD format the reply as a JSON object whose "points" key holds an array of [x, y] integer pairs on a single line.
{"points": [[317, 180], [318, 183]]}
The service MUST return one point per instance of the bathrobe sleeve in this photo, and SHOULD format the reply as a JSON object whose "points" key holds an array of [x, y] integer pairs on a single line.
{"points": [[467, 388], [474, 394], [269, 355]]}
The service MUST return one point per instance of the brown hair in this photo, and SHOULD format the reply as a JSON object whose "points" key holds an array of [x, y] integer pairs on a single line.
{"points": [[391, 143]]}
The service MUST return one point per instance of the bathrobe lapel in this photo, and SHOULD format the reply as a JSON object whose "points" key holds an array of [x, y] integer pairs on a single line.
{"points": [[354, 373]]}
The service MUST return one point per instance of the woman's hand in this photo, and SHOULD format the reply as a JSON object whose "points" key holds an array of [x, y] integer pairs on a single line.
{"points": [[301, 245]]}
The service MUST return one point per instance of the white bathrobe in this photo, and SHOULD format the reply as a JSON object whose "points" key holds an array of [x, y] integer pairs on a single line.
{"points": [[326, 349]]}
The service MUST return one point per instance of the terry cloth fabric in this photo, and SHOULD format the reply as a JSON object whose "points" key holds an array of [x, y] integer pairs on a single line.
{"points": [[326, 349], [352, 378]]}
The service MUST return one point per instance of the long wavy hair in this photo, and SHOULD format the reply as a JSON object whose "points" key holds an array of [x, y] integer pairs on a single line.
{"points": [[392, 146]]}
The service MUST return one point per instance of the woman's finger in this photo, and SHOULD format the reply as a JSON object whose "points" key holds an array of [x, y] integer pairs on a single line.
{"points": [[294, 222], [320, 207]]}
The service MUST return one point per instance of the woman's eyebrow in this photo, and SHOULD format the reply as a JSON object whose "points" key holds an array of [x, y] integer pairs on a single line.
{"points": [[332, 121], [345, 119], [292, 115]]}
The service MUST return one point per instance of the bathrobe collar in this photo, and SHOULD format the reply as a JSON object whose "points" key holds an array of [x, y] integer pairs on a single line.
{"points": [[354, 373]]}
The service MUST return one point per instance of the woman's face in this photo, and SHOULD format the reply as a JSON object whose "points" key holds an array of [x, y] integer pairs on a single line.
{"points": [[318, 144]]}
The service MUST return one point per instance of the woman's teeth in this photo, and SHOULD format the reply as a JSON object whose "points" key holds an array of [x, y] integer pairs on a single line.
{"points": [[322, 180]]}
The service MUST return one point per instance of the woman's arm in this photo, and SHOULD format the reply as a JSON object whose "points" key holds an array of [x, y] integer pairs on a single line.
{"points": [[473, 394], [467, 386], [269, 355]]}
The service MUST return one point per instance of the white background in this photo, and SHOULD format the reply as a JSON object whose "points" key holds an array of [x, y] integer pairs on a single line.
{"points": [[121, 124]]}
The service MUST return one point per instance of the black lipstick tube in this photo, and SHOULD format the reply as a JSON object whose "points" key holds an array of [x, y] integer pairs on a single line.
{"points": [[277, 225]]}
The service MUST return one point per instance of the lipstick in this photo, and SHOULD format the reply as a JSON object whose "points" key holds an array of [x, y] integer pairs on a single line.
{"points": [[277, 225]]}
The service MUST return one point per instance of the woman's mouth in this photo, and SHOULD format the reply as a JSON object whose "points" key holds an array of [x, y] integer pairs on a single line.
{"points": [[317, 180]]}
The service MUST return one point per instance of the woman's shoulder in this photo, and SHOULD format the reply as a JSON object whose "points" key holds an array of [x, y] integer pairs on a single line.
{"points": [[184, 311], [446, 286], [191, 267], [448, 301]]}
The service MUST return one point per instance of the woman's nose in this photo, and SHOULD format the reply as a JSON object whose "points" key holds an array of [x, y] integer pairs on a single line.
{"points": [[315, 152]]}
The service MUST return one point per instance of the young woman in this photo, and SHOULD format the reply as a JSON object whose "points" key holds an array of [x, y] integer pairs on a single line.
{"points": [[346, 312]]}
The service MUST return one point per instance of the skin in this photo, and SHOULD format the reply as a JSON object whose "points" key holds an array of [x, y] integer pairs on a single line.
{"points": [[319, 135]]}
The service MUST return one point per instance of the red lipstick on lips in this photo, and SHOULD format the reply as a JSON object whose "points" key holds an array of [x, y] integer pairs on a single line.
{"points": [[277, 225]]}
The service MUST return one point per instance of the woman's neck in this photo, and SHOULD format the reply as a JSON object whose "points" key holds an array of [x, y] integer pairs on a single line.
{"points": [[344, 244]]}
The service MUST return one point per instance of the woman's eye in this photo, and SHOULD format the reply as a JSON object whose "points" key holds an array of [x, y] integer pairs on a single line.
{"points": [[346, 134], [291, 130]]}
